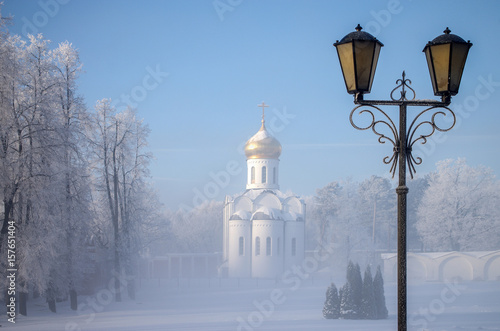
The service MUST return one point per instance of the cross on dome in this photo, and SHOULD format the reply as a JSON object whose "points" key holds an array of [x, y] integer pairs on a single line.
{"points": [[263, 105]]}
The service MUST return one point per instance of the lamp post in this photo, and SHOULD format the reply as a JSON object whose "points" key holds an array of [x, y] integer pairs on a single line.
{"points": [[446, 55]]}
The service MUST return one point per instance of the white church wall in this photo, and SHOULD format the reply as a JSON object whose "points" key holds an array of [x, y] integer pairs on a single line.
{"points": [[265, 173], [267, 263], [239, 261], [294, 255], [228, 210]]}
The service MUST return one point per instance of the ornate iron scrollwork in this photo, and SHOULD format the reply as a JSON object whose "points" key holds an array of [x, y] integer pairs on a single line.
{"points": [[382, 138], [403, 83], [412, 136], [414, 126]]}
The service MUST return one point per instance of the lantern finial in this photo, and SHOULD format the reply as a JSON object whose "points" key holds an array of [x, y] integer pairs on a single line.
{"points": [[358, 28]]}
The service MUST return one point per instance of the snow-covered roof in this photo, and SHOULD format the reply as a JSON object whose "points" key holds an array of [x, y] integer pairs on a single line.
{"points": [[266, 213], [266, 204], [253, 194], [240, 215]]}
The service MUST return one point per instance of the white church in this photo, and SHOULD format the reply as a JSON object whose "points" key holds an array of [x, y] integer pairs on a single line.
{"points": [[264, 229]]}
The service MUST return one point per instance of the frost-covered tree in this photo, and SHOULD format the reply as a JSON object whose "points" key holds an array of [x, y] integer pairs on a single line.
{"points": [[327, 202], [417, 188], [41, 161], [335, 218], [45, 188], [368, 309], [459, 210], [118, 141], [38, 87], [198, 230], [331, 309], [12, 156], [28, 140], [379, 295], [377, 205], [107, 136], [74, 169]]}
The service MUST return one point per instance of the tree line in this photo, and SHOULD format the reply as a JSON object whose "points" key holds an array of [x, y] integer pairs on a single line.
{"points": [[73, 182], [454, 208]]}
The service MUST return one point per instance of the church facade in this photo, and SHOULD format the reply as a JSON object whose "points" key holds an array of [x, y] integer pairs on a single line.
{"points": [[263, 229]]}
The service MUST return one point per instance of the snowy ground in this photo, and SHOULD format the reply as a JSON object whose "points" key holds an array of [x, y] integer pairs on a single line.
{"points": [[198, 305]]}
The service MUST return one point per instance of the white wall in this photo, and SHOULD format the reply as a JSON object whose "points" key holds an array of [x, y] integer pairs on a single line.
{"points": [[271, 181], [239, 265], [263, 265]]}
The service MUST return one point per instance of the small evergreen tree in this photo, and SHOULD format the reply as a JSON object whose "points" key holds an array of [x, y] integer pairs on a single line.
{"points": [[331, 310], [379, 296], [347, 306], [353, 276], [357, 287], [368, 306]]}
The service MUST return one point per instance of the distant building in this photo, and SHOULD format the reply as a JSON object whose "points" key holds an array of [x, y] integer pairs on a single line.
{"points": [[263, 228], [446, 266]]}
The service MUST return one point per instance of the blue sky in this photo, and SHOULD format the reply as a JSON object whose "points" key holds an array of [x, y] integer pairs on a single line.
{"points": [[197, 69]]}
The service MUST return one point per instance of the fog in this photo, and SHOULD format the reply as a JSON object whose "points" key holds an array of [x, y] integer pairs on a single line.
{"points": [[251, 304]]}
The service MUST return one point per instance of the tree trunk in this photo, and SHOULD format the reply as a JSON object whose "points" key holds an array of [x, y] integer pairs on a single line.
{"points": [[118, 239], [52, 304], [73, 298], [51, 300], [23, 299], [131, 288]]}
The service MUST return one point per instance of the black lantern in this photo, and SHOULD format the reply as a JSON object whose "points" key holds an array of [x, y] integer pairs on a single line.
{"points": [[358, 54], [446, 57]]}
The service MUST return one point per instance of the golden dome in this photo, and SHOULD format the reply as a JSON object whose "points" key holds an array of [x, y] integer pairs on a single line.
{"points": [[262, 145]]}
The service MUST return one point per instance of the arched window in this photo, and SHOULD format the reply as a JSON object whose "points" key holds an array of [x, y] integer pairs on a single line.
{"points": [[242, 246], [252, 175], [278, 247], [294, 246], [268, 246], [274, 175], [264, 175], [257, 246]]}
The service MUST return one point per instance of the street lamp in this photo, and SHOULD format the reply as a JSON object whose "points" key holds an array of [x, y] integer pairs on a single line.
{"points": [[446, 55], [358, 54]]}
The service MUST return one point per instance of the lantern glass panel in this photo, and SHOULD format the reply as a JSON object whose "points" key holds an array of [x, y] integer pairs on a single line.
{"points": [[374, 64], [457, 66], [431, 68], [441, 60], [347, 63], [364, 51]]}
